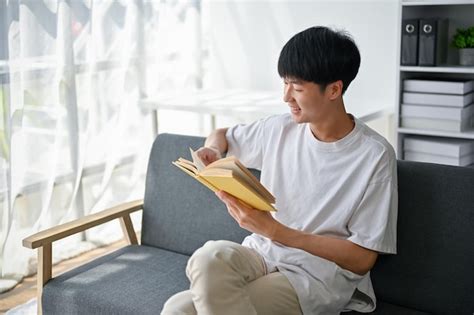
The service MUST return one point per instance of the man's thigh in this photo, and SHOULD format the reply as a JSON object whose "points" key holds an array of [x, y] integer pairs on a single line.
{"points": [[273, 294]]}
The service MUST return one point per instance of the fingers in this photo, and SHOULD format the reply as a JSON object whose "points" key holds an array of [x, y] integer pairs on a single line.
{"points": [[208, 155], [237, 214], [233, 213], [233, 204], [228, 199]]}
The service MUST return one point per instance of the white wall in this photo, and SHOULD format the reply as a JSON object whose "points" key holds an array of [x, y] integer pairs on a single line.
{"points": [[244, 39]]}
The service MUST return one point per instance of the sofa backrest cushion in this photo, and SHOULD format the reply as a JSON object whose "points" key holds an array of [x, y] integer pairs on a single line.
{"points": [[180, 214], [434, 268]]}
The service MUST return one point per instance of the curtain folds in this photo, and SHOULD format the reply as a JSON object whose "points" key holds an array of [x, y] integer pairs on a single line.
{"points": [[73, 139]]}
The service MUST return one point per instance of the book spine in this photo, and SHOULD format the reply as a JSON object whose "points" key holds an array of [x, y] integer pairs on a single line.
{"points": [[430, 147], [439, 146], [435, 112], [438, 87], [434, 124], [437, 99], [432, 158]]}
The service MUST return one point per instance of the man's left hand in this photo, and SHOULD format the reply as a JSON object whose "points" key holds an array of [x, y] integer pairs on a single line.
{"points": [[253, 220]]}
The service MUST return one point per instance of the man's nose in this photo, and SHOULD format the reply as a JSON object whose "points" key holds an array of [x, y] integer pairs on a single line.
{"points": [[287, 95]]}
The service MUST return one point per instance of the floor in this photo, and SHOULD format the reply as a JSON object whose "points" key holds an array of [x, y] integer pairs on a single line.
{"points": [[26, 290]]}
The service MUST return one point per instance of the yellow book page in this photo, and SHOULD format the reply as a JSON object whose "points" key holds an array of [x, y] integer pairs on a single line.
{"points": [[197, 160], [256, 183], [183, 163], [239, 190], [197, 177]]}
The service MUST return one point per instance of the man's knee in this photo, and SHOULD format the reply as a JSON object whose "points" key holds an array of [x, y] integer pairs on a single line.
{"points": [[209, 258], [179, 304]]}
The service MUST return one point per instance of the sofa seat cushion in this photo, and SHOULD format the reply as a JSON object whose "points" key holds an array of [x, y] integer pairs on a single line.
{"points": [[384, 308], [132, 280]]}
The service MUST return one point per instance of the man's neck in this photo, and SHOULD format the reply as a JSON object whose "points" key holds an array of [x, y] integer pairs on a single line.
{"points": [[333, 128]]}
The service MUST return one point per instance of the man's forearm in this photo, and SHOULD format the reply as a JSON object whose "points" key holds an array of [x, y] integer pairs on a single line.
{"points": [[344, 253], [217, 140]]}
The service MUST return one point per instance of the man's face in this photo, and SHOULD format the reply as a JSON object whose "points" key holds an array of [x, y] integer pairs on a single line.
{"points": [[306, 100]]}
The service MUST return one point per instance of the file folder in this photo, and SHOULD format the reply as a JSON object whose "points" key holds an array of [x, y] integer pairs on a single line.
{"points": [[433, 40], [409, 42]]}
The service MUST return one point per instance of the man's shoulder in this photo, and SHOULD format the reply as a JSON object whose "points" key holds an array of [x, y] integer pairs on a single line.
{"points": [[376, 142], [280, 120], [379, 152], [276, 124]]}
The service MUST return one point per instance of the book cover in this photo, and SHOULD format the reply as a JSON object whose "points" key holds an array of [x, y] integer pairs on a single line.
{"points": [[436, 124], [437, 99], [459, 87], [439, 146], [461, 114], [230, 175], [439, 159]]}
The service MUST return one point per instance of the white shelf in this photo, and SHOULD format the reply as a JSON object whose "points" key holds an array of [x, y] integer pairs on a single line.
{"points": [[440, 69], [435, 2], [459, 11], [438, 133]]}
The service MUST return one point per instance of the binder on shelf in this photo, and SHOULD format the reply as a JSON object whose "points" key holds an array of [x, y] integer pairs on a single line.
{"points": [[432, 42], [438, 99], [445, 86], [409, 53]]}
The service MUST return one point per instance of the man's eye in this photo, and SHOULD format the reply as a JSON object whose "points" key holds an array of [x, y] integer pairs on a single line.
{"points": [[299, 90]]}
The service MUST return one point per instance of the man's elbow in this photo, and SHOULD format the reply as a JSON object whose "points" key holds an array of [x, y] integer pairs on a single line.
{"points": [[365, 263], [368, 263]]}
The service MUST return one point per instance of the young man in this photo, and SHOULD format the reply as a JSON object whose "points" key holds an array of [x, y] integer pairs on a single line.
{"points": [[335, 185]]}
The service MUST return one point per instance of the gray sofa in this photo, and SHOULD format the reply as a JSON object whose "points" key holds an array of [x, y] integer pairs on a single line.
{"points": [[432, 273]]}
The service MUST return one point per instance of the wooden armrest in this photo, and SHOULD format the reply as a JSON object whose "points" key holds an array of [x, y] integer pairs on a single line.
{"points": [[61, 231]]}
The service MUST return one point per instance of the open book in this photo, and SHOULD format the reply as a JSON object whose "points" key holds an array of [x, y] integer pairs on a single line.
{"points": [[230, 175]]}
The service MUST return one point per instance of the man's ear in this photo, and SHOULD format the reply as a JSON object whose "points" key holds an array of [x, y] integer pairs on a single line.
{"points": [[335, 90]]}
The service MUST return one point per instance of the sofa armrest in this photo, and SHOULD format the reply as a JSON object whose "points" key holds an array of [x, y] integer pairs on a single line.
{"points": [[43, 240], [61, 231]]}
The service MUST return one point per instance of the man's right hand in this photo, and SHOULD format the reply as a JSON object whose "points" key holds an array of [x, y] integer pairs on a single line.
{"points": [[208, 155]]}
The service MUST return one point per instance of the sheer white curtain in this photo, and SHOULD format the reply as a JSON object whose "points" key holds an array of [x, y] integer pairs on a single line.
{"points": [[73, 140]]}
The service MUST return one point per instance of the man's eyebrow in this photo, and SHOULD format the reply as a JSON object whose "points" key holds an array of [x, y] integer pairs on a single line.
{"points": [[296, 81]]}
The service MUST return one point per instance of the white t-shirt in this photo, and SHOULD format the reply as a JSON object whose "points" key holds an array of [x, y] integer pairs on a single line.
{"points": [[345, 189]]}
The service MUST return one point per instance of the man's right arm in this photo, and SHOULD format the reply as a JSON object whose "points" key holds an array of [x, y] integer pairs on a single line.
{"points": [[214, 147]]}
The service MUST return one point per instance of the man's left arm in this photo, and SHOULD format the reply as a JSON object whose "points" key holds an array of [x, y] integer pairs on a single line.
{"points": [[344, 253]]}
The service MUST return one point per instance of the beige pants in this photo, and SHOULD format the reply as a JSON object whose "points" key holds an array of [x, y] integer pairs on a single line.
{"points": [[228, 278]]}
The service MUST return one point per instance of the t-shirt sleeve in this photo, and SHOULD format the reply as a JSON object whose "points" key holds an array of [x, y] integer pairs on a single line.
{"points": [[373, 224], [246, 142]]}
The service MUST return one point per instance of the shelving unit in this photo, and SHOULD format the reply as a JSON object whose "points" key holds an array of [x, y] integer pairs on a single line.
{"points": [[460, 15]]}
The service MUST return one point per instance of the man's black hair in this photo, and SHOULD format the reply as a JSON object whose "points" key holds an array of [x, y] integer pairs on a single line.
{"points": [[320, 55]]}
